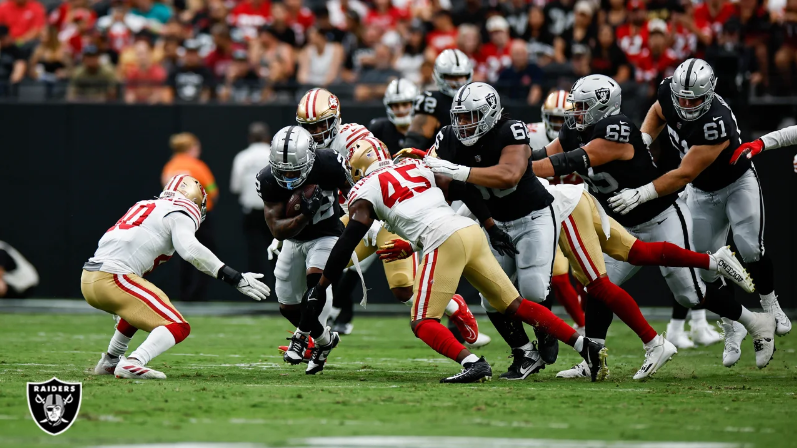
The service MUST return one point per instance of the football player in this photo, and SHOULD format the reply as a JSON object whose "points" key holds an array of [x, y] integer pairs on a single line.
{"points": [[776, 139], [606, 148], [721, 196], [145, 237], [307, 237], [412, 201], [399, 97]]}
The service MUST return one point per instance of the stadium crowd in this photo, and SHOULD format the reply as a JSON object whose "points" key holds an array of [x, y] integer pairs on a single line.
{"points": [[251, 51]]}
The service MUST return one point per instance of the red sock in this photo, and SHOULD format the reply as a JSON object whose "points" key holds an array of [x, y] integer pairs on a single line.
{"points": [[568, 297], [623, 305], [439, 337], [666, 254], [125, 328], [538, 316]]}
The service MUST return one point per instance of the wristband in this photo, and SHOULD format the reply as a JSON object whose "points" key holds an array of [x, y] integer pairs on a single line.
{"points": [[229, 275]]}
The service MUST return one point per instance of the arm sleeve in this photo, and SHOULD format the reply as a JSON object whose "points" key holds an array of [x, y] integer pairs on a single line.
{"points": [[783, 137], [186, 244]]}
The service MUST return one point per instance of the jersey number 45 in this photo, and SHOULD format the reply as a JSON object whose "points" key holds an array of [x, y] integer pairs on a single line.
{"points": [[392, 189]]}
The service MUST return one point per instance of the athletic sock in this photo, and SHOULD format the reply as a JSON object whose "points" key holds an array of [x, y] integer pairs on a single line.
{"points": [[666, 254], [568, 297], [158, 341], [469, 358], [623, 305], [511, 330], [598, 319], [324, 338], [542, 318], [435, 335], [452, 307], [679, 311], [118, 345], [677, 324], [579, 345], [746, 317], [698, 315]]}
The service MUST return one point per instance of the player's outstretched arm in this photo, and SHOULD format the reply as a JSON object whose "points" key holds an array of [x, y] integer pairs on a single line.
{"points": [[783, 137], [361, 216], [653, 124], [283, 228], [421, 131], [505, 174], [194, 252]]}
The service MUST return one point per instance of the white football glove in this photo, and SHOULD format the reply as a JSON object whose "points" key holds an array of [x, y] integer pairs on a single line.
{"points": [[252, 287], [629, 198], [274, 249], [370, 236], [446, 168]]}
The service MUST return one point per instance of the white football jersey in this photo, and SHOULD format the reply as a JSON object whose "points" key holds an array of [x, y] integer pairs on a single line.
{"points": [[348, 135], [407, 199], [538, 137], [140, 240]]}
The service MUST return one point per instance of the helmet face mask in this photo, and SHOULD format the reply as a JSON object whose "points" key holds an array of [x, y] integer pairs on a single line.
{"points": [[452, 71], [475, 111], [322, 131], [292, 156], [401, 113], [693, 80]]}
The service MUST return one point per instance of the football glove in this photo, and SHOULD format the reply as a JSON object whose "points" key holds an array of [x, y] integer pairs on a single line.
{"points": [[501, 241], [274, 249], [647, 140], [446, 168], [310, 206], [394, 250], [630, 198], [249, 285], [750, 150], [370, 237]]}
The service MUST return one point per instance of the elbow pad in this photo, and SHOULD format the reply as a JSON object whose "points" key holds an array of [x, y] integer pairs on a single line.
{"points": [[539, 154], [569, 162]]}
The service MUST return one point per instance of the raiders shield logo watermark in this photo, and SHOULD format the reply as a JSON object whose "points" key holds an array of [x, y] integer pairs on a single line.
{"points": [[602, 94], [54, 404]]}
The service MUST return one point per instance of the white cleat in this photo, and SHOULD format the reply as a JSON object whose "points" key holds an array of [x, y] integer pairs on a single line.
{"points": [[762, 331], [657, 353], [106, 365], [577, 371], [481, 340], [772, 307], [678, 337], [703, 333], [580, 330], [135, 371], [734, 333], [731, 268]]}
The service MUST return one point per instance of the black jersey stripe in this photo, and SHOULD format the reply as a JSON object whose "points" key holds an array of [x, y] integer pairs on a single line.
{"points": [[686, 246]]}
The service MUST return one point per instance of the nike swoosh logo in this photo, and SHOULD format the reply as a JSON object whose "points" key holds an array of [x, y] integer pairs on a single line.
{"points": [[716, 118], [623, 122], [534, 217], [659, 222]]}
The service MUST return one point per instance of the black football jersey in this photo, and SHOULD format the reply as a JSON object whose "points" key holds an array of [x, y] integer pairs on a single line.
{"points": [[328, 172], [386, 131], [436, 104], [714, 127], [608, 179], [505, 205]]}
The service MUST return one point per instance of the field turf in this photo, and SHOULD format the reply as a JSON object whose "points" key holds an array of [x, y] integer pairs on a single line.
{"points": [[227, 384]]}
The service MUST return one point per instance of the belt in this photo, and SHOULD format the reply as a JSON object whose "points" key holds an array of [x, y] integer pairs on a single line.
{"points": [[92, 266]]}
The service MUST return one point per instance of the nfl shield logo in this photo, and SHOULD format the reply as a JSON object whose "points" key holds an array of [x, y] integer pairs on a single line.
{"points": [[603, 95], [54, 404]]}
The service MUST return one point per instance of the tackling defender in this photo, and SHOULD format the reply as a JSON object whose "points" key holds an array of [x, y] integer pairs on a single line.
{"points": [[145, 237]]}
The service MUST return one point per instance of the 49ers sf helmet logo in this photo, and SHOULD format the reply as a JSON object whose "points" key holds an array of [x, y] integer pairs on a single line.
{"points": [[54, 404], [333, 102]]}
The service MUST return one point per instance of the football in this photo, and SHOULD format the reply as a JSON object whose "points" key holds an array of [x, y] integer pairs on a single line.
{"points": [[294, 206]]}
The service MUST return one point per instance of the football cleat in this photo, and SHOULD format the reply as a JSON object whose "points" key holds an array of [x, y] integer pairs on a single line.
{"points": [[772, 307], [577, 371], [678, 337], [481, 341], [734, 333], [343, 328], [464, 320], [307, 353], [472, 372], [524, 363], [702, 333], [595, 356], [762, 330], [730, 267], [548, 346], [135, 371], [657, 353], [296, 349], [320, 354], [106, 365]]}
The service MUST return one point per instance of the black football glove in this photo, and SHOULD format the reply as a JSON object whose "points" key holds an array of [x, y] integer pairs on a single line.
{"points": [[311, 206], [501, 241]]}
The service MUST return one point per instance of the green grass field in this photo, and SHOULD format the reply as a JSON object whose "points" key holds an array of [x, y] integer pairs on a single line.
{"points": [[227, 384]]}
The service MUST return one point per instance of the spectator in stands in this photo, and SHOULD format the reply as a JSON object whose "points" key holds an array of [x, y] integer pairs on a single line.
{"points": [[581, 33], [12, 63], [144, 81], [249, 15], [51, 61], [324, 25], [559, 16], [539, 39], [276, 60], [737, 64], [196, 15], [241, 83], [607, 58], [411, 57], [281, 28], [427, 81], [121, 25], [186, 150], [71, 16], [300, 18], [220, 58], [521, 80], [470, 11], [18, 277], [218, 13], [169, 49], [190, 82], [516, 13], [320, 61], [657, 61], [756, 28], [495, 53], [340, 9], [614, 14], [25, 22], [786, 55], [92, 80], [443, 35], [360, 53], [245, 167], [384, 15], [374, 80], [156, 12], [633, 36], [469, 41]]}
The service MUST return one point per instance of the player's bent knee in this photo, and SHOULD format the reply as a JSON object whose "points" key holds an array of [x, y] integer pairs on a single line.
{"points": [[402, 294], [534, 287], [416, 325], [180, 331]]}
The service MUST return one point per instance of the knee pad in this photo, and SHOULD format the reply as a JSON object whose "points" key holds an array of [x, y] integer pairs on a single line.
{"points": [[180, 331], [533, 285]]}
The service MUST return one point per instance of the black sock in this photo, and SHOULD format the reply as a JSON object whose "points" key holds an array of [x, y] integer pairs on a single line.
{"points": [[679, 311], [720, 300], [511, 330], [342, 292], [312, 309], [763, 275], [293, 314], [598, 318]]}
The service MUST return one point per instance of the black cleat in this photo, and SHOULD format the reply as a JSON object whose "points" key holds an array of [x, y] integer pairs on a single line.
{"points": [[524, 364], [548, 346], [472, 372], [595, 355], [320, 354], [295, 352]]}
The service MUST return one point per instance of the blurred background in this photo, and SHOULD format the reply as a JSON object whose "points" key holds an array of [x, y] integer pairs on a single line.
{"points": [[93, 93]]}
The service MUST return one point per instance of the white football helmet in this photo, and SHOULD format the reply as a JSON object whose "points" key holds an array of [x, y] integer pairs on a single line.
{"points": [[400, 91], [292, 156], [475, 111], [451, 63], [593, 98], [693, 79]]}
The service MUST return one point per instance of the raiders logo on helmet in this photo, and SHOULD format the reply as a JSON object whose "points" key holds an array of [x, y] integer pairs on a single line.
{"points": [[491, 100], [602, 94], [54, 404]]}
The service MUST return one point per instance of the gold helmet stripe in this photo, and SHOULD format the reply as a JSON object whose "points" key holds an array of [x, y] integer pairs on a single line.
{"points": [[175, 182]]}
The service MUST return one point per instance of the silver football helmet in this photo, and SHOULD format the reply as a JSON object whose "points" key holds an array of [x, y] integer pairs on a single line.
{"points": [[452, 63], [292, 156], [475, 111], [592, 99], [400, 91], [693, 79]]}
